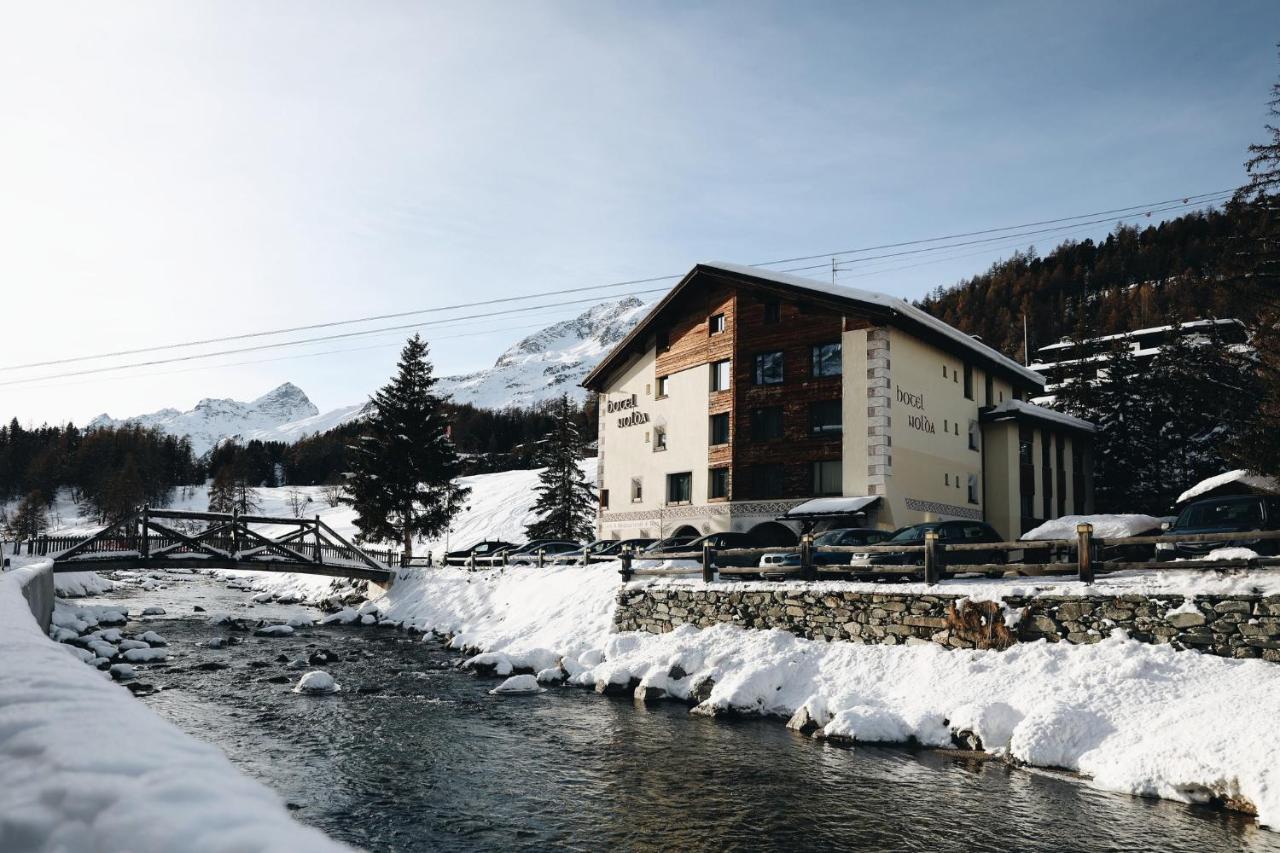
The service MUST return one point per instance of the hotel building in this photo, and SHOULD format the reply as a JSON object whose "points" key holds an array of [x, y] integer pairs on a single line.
{"points": [[762, 402]]}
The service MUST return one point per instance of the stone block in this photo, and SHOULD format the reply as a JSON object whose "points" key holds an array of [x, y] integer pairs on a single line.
{"points": [[1186, 620]]}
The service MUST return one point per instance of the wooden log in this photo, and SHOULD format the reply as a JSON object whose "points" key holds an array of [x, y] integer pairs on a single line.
{"points": [[932, 557], [708, 563], [1084, 552]]}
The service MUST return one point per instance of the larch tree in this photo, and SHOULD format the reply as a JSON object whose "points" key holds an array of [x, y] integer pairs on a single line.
{"points": [[404, 466], [566, 502], [1258, 447], [30, 519]]}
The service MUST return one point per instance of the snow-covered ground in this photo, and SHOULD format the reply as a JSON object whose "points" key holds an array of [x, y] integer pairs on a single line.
{"points": [[1133, 717], [85, 766]]}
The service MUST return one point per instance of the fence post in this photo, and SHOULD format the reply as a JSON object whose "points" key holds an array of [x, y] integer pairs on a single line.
{"points": [[319, 554], [503, 557], [932, 569], [626, 565], [807, 569], [586, 557], [429, 558], [1084, 551], [235, 532], [471, 560], [541, 561], [708, 563]]}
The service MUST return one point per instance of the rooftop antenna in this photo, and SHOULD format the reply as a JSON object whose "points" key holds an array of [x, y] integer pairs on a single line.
{"points": [[833, 269]]}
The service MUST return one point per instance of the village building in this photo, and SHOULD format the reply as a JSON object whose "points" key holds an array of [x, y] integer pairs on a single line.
{"points": [[762, 402]]}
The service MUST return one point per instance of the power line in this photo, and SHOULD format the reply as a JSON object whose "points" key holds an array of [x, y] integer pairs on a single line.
{"points": [[281, 344], [984, 240], [1150, 207]]}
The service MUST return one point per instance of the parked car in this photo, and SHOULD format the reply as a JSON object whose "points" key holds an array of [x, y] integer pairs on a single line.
{"points": [[603, 548], [720, 541], [1222, 515], [527, 554], [483, 551], [670, 543], [951, 532], [839, 537]]}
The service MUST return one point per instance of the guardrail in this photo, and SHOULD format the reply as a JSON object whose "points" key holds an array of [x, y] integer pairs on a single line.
{"points": [[1081, 557]]}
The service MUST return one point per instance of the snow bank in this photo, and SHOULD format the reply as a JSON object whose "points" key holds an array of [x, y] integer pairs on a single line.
{"points": [[81, 584], [1104, 526], [85, 766], [1133, 717]]}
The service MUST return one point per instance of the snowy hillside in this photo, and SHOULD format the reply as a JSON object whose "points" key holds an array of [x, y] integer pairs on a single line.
{"points": [[550, 362], [282, 414], [499, 507]]}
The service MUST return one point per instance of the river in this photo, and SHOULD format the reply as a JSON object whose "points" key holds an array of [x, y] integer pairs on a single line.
{"points": [[416, 755]]}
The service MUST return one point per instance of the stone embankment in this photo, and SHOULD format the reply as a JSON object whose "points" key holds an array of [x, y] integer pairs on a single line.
{"points": [[1235, 626]]}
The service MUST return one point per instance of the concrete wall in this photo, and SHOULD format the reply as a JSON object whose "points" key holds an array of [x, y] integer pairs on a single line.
{"points": [[36, 583], [1240, 626]]}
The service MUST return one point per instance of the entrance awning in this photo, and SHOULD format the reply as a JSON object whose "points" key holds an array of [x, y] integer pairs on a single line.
{"points": [[829, 508]]}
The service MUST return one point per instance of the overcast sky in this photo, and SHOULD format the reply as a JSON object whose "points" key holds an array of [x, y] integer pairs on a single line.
{"points": [[178, 171]]}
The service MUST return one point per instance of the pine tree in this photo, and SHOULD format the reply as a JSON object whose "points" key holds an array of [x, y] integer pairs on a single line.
{"points": [[30, 519], [1258, 446], [566, 502], [404, 463]]}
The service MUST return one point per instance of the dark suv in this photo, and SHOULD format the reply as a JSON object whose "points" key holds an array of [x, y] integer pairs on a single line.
{"points": [[841, 536], [1222, 515], [949, 532]]}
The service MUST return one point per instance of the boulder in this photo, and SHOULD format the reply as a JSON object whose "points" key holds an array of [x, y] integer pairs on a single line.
{"points": [[317, 683], [322, 656], [517, 685]]}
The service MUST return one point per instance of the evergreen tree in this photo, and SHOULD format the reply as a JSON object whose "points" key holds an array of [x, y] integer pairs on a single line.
{"points": [[404, 463], [30, 519], [566, 502], [1258, 208]]}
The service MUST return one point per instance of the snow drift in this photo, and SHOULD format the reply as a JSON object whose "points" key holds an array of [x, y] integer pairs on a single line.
{"points": [[85, 766]]}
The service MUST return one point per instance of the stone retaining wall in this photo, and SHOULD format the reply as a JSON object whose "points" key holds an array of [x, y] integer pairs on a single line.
{"points": [[1240, 626]]}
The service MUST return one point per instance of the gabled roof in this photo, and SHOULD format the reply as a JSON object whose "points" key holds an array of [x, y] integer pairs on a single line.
{"points": [[878, 306]]}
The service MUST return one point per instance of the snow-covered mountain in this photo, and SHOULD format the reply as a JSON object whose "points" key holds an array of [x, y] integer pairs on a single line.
{"points": [[282, 414], [550, 362], [538, 368]]}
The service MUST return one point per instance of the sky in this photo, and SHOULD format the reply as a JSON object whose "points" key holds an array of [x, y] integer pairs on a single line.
{"points": [[172, 172]]}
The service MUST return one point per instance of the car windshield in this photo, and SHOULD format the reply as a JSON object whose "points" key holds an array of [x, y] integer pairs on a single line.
{"points": [[909, 534], [1221, 514], [831, 537]]}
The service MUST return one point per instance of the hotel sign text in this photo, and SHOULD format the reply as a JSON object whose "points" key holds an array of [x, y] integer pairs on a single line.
{"points": [[634, 418], [915, 401]]}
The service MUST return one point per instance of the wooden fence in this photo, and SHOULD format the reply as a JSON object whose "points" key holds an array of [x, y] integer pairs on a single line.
{"points": [[932, 565]]}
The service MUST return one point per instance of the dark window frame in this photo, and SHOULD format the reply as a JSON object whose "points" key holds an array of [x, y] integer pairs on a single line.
{"points": [[718, 476], [713, 433], [713, 378], [716, 324], [772, 313], [759, 422], [758, 371], [815, 469], [685, 477], [829, 429], [815, 361]]}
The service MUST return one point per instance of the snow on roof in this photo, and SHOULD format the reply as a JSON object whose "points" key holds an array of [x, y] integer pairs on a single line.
{"points": [[1104, 526], [831, 506], [1240, 476], [1190, 324], [883, 300], [1013, 408]]}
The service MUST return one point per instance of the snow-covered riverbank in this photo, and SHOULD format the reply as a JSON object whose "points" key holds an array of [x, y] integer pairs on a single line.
{"points": [[85, 766], [1133, 717]]}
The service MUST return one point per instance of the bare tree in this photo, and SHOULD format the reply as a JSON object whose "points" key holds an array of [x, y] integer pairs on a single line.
{"points": [[298, 502], [332, 494]]}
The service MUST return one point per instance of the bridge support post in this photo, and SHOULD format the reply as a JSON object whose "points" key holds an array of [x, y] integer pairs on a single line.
{"points": [[144, 547], [319, 558]]}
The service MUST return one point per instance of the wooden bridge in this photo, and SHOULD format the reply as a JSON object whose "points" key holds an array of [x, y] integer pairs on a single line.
{"points": [[165, 539]]}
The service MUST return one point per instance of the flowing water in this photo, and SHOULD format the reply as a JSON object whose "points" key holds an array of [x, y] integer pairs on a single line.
{"points": [[416, 755]]}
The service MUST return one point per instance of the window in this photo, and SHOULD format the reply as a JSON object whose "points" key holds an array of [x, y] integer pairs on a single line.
{"points": [[944, 371], [637, 490], [772, 312], [720, 376], [767, 481], [826, 360], [826, 478], [769, 368], [664, 340], [824, 417], [659, 438], [718, 483], [604, 498], [766, 424], [716, 324], [990, 390], [720, 428], [679, 488], [973, 435], [968, 381], [664, 386], [946, 479]]}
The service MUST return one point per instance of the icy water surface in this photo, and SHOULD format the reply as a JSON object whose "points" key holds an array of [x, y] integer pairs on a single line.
{"points": [[414, 755]]}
